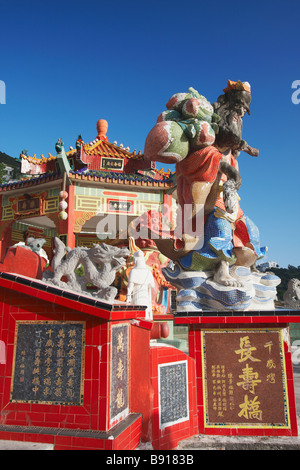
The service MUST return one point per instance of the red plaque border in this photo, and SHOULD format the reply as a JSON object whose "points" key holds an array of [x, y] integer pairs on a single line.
{"points": [[245, 425]]}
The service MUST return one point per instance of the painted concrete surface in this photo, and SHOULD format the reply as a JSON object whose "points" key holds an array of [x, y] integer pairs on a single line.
{"points": [[18, 445], [203, 442]]}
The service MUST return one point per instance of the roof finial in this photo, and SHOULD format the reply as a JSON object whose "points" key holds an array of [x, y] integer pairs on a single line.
{"points": [[102, 127]]}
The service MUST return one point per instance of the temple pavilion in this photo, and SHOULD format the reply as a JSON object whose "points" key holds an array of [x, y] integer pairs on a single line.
{"points": [[71, 194]]}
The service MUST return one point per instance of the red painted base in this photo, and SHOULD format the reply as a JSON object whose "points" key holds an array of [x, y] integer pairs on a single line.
{"points": [[165, 436], [102, 418], [162, 398], [23, 261], [199, 352]]}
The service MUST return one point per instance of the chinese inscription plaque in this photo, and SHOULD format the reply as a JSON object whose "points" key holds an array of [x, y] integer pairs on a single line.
{"points": [[119, 371], [112, 164], [48, 363], [173, 393], [245, 379]]}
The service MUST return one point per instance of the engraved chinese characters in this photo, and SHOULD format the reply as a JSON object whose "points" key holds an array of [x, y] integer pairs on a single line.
{"points": [[173, 393], [48, 363], [119, 371], [245, 378]]}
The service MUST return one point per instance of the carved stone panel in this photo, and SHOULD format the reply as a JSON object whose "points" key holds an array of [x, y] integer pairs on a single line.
{"points": [[48, 363], [119, 372], [173, 393]]}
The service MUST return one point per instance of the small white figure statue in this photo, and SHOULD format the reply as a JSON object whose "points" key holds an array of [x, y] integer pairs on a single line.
{"points": [[140, 283], [35, 245]]}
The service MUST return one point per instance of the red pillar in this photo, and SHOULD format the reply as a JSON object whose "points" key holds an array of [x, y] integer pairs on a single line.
{"points": [[5, 234], [167, 203], [66, 227]]}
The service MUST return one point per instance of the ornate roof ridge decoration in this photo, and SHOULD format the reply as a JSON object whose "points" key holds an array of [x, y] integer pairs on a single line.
{"points": [[96, 176], [137, 179], [100, 146], [102, 141], [37, 161], [112, 174], [104, 147], [34, 180], [98, 160]]}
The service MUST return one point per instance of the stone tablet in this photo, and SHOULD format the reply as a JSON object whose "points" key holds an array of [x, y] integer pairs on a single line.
{"points": [[48, 363], [119, 372], [173, 393]]}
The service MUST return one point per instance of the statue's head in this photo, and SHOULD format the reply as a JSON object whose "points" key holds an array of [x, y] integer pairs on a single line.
{"points": [[104, 253], [35, 244], [231, 107], [139, 259]]}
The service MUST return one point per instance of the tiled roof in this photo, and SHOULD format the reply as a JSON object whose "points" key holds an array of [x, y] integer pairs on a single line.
{"points": [[28, 182], [135, 170], [38, 161], [97, 176], [105, 148], [97, 148], [121, 178]]}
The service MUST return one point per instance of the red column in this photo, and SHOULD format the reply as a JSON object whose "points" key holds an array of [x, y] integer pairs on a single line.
{"points": [[5, 238], [167, 203], [66, 227]]}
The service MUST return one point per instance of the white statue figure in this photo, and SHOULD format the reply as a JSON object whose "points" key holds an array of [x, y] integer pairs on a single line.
{"points": [[35, 245], [140, 283]]}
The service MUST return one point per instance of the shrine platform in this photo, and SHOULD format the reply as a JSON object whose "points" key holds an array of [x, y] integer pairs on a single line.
{"points": [[229, 317], [204, 442], [59, 377], [53, 438], [229, 403]]}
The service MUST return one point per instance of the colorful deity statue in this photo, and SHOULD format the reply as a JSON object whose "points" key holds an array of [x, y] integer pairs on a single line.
{"points": [[213, 268]]}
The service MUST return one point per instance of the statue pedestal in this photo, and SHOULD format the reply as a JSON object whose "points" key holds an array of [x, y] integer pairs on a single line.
{"points": [[75, 371], [174, 412], [198, 291], [244, 373], [20, 260]]}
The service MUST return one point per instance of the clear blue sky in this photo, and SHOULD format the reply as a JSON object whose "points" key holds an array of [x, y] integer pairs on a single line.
{"points": [[67, 64]]}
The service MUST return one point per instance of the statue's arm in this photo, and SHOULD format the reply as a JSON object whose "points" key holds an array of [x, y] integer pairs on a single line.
{"points": [[233, 183], [129, 288], [231, 172], [201, 195]]}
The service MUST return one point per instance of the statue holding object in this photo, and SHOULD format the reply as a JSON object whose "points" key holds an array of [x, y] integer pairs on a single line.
{"points": [[204, 141]]}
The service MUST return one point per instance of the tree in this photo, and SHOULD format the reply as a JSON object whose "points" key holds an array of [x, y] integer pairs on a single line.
{"points": [[2, 173]]}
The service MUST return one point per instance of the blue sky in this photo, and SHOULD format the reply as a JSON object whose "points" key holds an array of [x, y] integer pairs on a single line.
{"points": [[67, 64]]}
